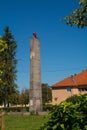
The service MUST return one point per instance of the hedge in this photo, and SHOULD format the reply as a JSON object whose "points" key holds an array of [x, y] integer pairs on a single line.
{"points": [[15, 109]]}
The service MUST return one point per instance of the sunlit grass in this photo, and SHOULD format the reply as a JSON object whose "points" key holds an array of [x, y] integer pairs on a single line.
{"points": [[23, 122]]}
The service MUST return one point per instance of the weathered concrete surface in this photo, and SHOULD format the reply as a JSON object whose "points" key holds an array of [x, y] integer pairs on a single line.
{"points": [[35, 76]]}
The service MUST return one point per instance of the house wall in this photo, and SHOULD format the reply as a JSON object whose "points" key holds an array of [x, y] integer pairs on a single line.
{"points": [[83, 92], [59, 95], [75, 91]]}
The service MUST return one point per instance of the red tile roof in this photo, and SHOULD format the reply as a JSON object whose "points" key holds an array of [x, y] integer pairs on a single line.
{"points": [[74, 80]]}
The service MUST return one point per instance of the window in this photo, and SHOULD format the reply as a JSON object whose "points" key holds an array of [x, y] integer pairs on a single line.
{"points": [[68, 89], [82, 89]]}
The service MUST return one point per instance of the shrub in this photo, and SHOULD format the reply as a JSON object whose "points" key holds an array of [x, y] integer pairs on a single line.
{"points": [[47, 107], [33, 112], [68, 115]]}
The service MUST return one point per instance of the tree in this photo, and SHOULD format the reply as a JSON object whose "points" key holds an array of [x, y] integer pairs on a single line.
{"points": [[9, 61], [78, 16], [46, 93], [3, 46], [15, 98], [25, 97]]}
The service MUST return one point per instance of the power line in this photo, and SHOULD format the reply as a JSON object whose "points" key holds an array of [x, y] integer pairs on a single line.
{"points": [[65, 69], [56, 70]]}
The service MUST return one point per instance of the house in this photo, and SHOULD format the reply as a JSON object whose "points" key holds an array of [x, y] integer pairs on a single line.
{"points": [[75, 84]]}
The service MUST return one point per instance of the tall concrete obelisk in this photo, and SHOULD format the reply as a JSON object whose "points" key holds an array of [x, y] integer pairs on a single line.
{"points": [[35, 93]]}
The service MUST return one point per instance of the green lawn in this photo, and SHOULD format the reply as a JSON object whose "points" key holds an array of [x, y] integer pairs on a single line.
{"points": [[23, 122]]}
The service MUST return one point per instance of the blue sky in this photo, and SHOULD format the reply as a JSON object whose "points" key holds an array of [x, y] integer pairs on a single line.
{"points": [[63, 48]]}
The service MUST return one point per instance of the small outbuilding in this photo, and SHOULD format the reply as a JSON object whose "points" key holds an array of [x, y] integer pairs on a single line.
{"points": [[75, 84]]}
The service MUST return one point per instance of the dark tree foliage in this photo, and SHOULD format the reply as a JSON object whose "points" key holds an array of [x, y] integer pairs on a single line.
{"points": [[24, 97], [46, 93], [8, 57], [3, 46], [78, 16]]}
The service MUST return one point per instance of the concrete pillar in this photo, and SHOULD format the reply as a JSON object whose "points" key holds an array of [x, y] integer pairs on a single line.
{"points": [[35, 76]]}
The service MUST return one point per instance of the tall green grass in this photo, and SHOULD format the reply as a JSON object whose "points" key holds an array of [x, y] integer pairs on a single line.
{"points": [[23, 122]]}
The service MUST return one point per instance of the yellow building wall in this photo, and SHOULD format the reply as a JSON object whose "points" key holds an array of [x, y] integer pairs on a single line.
{"points": [[59, 95]]}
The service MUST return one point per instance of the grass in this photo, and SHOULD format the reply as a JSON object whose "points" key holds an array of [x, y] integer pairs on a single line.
{"points": [[23, 122]]}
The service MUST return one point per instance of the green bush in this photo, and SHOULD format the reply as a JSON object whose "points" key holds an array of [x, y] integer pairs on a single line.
{"points": [[68, 115], [47, 107], [77, 98], [33, 112]]}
